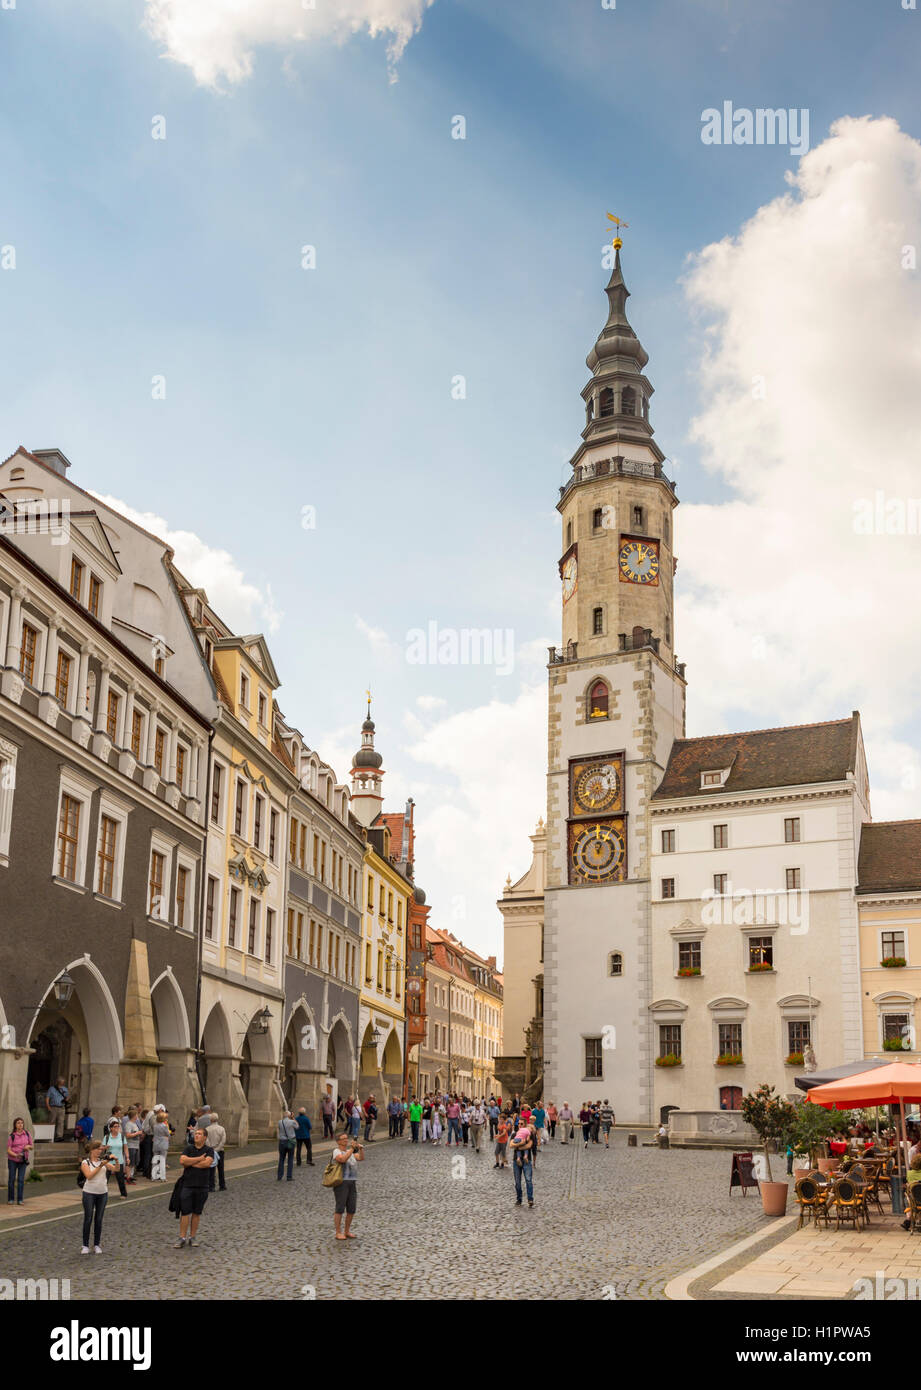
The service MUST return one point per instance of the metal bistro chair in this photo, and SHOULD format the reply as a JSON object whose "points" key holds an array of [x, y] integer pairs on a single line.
{"points": [[913, 1193], [811, 1201], [872, 1193], [849, 1203]]}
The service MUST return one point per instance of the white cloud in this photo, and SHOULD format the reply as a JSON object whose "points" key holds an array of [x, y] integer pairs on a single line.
{"points": [[242, 605], [784, 612], [216, 38], [382, 645], [428, 703]]}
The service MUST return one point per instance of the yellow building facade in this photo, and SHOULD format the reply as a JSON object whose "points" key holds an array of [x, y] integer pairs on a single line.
{"points": [[889, 914], [382, 1000]]}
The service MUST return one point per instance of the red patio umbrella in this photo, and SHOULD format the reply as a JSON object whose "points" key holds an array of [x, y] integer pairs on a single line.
{"points": [[892, 1085]]}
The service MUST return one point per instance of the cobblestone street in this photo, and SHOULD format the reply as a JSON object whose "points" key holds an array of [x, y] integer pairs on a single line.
{"points": [[431, 1224]]}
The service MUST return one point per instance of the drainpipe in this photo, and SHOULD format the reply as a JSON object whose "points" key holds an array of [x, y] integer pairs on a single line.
{"points": [[202, 889]]}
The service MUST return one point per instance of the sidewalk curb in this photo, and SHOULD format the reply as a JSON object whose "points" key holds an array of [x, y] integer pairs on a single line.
{"points": [[677, 1289]]}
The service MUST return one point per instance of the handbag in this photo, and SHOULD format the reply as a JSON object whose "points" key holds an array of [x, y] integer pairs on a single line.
{"points": [[332, 1174]]}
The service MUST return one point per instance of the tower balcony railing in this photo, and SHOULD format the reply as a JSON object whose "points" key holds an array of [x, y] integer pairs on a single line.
{"points": [[617, 467], [560, 655], [636, 640]]}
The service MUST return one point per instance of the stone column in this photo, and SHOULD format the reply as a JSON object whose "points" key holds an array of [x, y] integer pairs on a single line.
{"points": [[12, 683], [151, 776], [126, 759], [137, 1075], [48, 707], [102, 698], [81, 726]]}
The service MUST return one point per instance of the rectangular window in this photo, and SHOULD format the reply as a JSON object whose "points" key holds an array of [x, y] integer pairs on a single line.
{"points": [[95, 593], [689, 955], [761, 953], [380, 969], [155, 886], [137, 728], [711, 779], [791, 831], [670, 1040], [399, 914], [233, 917], [27, 654], [180, 767], [895, 1027], [893, 945], [257, 822], [319, 960], [68, 838], [217, 777], [310, 942], [105, 877], [798, 1035], [316, 855], [253, 926], [299, 939], [76, 578], [370, 893], [730, 1039], [380, 901], [182, 894], [210, 899], [720, 836], [329, 953], [244, 692], [719, 882], [112, 715], [159, 750], [302, 859], [597, 621], [323, 862], [238, 810], [262, 709], [593, 1066], [290, 931], [368, 964], [273, 834], [292, 842], [793, 878], [668, 888], [62, 678], [390, 907], [269, 933], [668, 842], [336, 958]]}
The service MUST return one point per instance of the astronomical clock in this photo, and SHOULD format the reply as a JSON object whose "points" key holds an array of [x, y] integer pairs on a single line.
{"points": [[638, 560], [597, 836]]}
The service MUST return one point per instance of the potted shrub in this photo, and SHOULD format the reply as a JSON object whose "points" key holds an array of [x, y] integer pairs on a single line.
{"points": [[812, 1128], [771, 1117], [893, 962], [795, 1059], [893, 1045], [729, 1059], [670, 1060]]}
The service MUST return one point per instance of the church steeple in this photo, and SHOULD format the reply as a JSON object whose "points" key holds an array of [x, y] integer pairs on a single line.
{"points": [[617, 396], [367, 775]]}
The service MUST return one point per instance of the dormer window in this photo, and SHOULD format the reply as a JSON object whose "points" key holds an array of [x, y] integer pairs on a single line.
{"points": [[714, 778], [76, 578]]}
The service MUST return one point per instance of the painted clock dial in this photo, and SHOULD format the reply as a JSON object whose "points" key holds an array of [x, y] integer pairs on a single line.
{"points": [[639, 561], [597, 786], [570, 576], [597, 852]]}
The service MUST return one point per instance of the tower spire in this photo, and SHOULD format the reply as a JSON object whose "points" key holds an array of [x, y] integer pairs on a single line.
{"points": [[367, 775]]}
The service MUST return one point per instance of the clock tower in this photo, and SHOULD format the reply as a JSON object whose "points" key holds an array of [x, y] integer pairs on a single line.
{"points": [[616, 705]]}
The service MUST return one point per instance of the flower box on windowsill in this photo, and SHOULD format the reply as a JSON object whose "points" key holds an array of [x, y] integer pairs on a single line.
{"points": [[730, 1059], [894, 1045], [893, 962], [686, 971], [669, 1061], [795, 1059], [761, 968]]}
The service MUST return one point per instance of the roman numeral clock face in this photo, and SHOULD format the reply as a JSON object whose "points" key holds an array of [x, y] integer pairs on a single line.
{"points": [[597, 836], [639, 560]]}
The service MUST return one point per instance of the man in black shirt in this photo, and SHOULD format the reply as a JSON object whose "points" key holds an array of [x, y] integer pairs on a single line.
{"points": [[197, 1159]]}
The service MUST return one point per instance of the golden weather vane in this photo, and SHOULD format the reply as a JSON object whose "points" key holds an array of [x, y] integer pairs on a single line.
{"points": [[368, 693], [620, 224]]}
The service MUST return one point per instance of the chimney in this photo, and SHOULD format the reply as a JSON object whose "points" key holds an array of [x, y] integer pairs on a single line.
{"points": [[53, 459]]}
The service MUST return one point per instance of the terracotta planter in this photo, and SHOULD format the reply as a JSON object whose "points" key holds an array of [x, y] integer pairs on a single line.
{"points": [[829, 1165], [774, 1198]]}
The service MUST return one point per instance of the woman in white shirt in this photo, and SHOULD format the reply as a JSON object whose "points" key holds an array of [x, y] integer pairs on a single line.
{"points": [[115, 1143], [349, 1153], [95, 1169]]}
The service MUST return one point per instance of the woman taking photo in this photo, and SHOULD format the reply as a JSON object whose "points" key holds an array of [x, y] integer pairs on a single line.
{"points": [[18, 1151], [95, 1169]]}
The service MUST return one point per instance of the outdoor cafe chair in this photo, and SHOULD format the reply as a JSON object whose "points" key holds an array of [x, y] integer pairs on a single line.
{"points": [[849, 1203], [811, 1201], [914, 1207]]}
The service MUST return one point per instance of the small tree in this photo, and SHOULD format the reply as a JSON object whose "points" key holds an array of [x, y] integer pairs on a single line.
{"points": [[812, 1126], [770, 1116]]}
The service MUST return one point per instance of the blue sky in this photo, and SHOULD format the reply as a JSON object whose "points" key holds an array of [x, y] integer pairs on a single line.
{"points": [[435, 258]]}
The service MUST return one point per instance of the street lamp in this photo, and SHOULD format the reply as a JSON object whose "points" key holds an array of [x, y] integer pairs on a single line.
{"points": [[262, 1021], [63, 989]]}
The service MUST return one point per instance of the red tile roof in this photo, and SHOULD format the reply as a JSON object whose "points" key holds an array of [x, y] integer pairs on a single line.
{"points": [[890, 857], [798, 755]]}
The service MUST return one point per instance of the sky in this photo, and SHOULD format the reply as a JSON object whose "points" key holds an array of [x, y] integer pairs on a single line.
{"points": [[310, 286]]}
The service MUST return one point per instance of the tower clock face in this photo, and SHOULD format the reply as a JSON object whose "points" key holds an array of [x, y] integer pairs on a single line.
{"points": [[598, 852], [639, 561], [597, 786], [570, 575]]}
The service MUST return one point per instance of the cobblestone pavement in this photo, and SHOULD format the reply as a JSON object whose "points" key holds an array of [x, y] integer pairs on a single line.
{"points": [[431, 1224]]}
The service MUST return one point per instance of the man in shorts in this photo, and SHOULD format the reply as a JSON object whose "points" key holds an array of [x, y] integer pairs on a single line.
{"points": [[197, 1159], [349, 1153]]}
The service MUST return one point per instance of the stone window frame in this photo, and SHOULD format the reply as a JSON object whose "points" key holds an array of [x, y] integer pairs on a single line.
{"points": [[889, 930], [160, 844], [114, 809], [726, 1009], [185, 859], [77, 785], [890, 1003], [799, 1008], [616, 974], [9, 753], [589, 718]]}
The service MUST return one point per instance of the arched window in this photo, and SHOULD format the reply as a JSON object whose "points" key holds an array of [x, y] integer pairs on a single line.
{"points": [[590, 408], [568, 534], [638, 518], [606, 402], [598, 701], [730, 1097], [628, 401], [615, 963]]}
